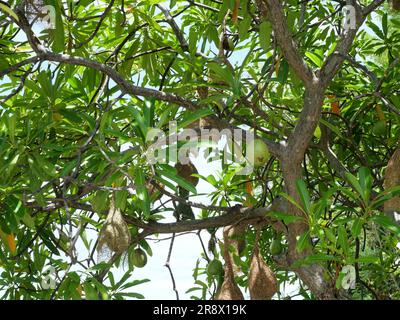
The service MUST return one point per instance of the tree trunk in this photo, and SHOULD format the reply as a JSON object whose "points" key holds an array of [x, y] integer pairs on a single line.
{"points": [[314, 276], [392, 179]]}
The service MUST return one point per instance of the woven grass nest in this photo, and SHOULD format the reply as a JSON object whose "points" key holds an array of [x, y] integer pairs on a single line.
{"points": [[114, 236], [262, 282]]}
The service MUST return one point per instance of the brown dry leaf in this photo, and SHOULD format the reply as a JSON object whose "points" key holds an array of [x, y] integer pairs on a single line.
{"points": [[262, 281], [11, 243], [114, 236]]}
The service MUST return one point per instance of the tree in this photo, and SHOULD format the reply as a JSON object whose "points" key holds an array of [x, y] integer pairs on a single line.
{"points": [[84, 84]]}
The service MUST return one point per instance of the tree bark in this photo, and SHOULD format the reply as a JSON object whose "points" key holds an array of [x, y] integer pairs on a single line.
{"points": [[392, 179]]}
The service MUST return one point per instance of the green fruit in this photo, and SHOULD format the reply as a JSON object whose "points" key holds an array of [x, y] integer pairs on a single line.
{"points": [[258, 153], [100, 201], [275, 247], [215, 268], [379, 128], [138, 258]]}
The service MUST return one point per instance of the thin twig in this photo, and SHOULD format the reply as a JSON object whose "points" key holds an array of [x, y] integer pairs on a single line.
{"points": [[167, 264]]}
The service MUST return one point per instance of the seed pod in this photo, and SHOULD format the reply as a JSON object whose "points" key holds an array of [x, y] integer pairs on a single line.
{"points": [[262, 281], [115, 235]]}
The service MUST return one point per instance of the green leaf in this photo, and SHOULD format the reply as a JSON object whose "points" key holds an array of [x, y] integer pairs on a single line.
{"points": [[329, 234], [356, 227], [303, 242], [365, 180], [343, 240], [292, 201], [90, 291], [265, 35], [222, 73], [318, 258], [28, 220], [334, 128], [364, 259], [134, 283], [286, 218], [9, 11], [384, 196], [376, 30], [244, 27], [192, 116], [100, 201], [283, 72], [124, 278], [133, 295], [11, 121], [316, 59], [121, 197], [385, 23], [356, 185], [387, 223], [170, 173], [59, 37], [142, 193], [304, 195]]}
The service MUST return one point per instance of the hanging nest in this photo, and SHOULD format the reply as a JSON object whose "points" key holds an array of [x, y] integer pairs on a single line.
{"points": [[229, 289], [262, 281], [234, 241], [114, 237]]}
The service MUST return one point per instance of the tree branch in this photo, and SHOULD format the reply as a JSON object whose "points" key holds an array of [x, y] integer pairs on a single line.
{"points": [[334, 61], [273, 10], [45, 54], [371, 7], [250, 215], [96, 30], [178, 32], [15, 67]]}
